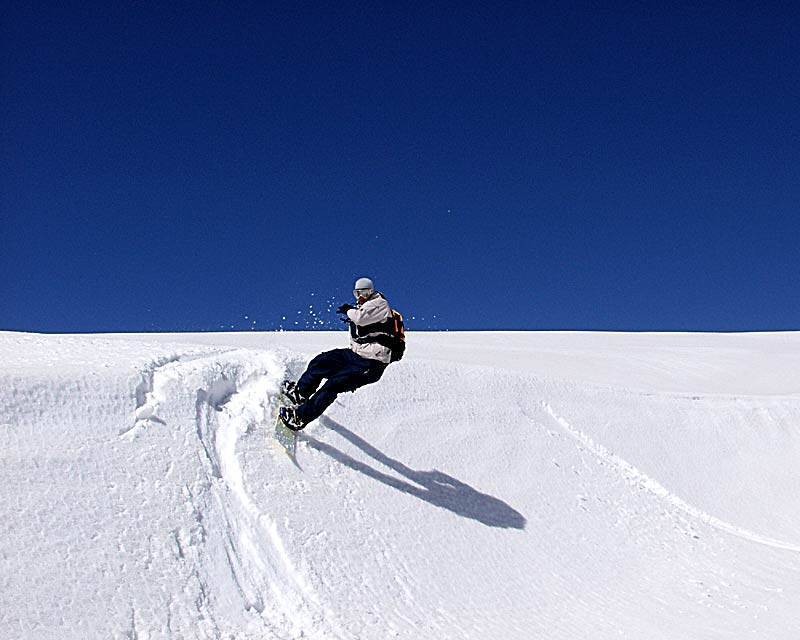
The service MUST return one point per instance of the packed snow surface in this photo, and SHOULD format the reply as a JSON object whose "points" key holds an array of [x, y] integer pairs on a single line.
{"points": [[491, 485]]}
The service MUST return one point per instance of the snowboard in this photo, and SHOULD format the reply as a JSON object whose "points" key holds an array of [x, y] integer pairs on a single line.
{"points": [[285, 437]]}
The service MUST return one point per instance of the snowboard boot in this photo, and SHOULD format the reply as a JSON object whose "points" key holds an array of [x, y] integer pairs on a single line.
{"points": [[289, 417], [290, 390]]}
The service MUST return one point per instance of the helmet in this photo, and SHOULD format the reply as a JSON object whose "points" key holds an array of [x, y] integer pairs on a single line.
{"points": [[363, 288]]}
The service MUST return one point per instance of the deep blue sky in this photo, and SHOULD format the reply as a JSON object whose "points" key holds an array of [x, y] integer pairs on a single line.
{"points": [[179, 166]]}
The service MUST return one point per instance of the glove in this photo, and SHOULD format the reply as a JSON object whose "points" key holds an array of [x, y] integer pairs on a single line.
{"points": [[345, 308]]}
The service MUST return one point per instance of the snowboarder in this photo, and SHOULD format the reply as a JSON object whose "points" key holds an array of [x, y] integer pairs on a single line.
{"points": [[374, 340]]}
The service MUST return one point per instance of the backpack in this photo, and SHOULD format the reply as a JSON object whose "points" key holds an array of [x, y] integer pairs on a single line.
{"points": [[398, 342]]}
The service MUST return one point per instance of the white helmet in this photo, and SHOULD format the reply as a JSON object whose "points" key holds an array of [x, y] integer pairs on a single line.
{"points": [[363, 288]]}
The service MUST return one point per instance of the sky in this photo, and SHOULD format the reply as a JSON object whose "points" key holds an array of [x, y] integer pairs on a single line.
{"points": [[208, 166]]}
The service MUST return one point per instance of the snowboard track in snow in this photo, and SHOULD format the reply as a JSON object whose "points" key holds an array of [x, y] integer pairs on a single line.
{"points": [[636, 477], [229, 396]]}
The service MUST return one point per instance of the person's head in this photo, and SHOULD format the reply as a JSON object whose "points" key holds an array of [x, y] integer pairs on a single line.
{"points": [[363, 289]]}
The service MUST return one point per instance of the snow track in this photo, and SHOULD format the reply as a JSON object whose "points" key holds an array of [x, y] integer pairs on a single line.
{"points": [[636, 477], [230, 394], [144, 496]]}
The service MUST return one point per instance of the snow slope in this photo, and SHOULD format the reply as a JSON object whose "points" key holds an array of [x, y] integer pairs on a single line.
{"points": [[492, 485]]}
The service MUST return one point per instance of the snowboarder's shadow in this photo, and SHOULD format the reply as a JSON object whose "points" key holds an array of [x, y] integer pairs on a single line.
{"points": [[434, 487]]}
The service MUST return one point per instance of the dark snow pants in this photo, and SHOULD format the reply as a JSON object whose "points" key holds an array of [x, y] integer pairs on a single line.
{"points": [[343, 370]]}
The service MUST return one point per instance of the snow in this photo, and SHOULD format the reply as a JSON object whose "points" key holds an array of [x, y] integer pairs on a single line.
{"points": [[491, 485]]}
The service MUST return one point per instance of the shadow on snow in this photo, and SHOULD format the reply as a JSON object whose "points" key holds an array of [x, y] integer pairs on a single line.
{"points": [[435, 487]]}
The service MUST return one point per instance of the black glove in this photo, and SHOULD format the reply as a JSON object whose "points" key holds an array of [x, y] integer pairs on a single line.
{"points": [[345, 308]]}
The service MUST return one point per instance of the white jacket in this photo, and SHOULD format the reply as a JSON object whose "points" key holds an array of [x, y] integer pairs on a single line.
{"points": [[373, 310]]}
